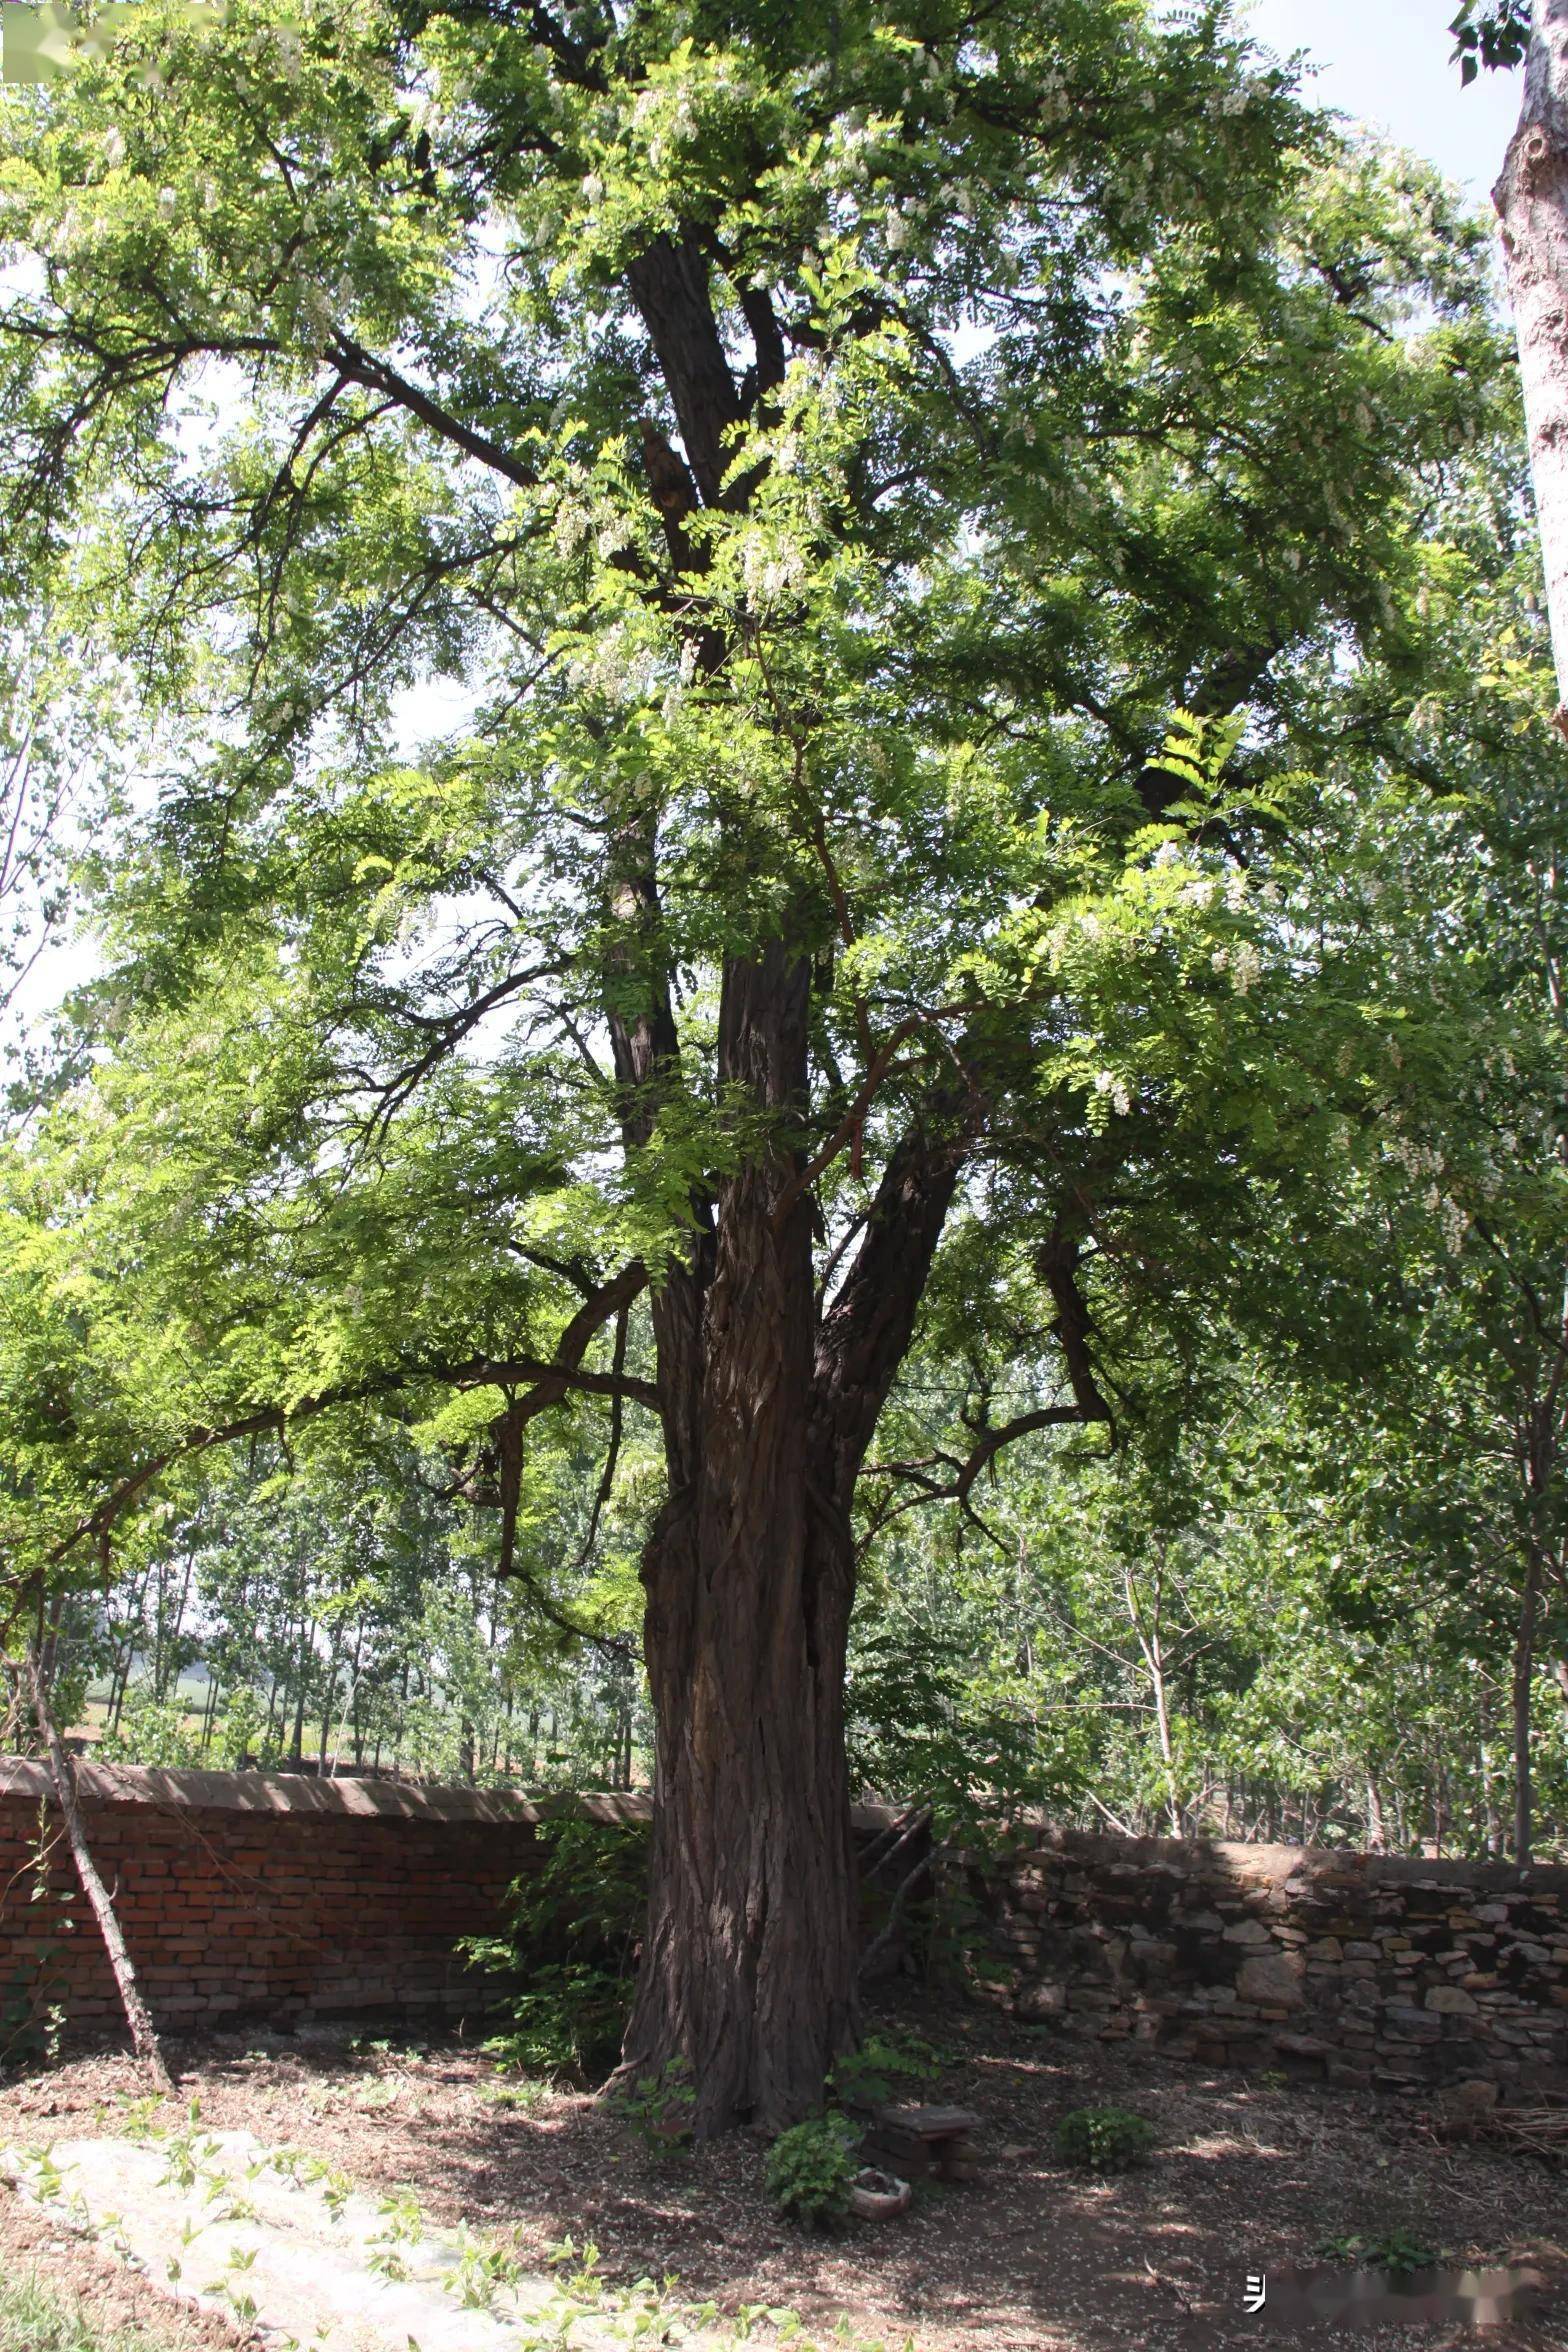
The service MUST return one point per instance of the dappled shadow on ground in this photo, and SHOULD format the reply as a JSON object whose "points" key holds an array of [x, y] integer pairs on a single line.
{"points": [[1250, 2176]]}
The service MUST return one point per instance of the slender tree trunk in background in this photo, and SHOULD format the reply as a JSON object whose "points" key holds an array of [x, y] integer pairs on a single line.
{"points": [[1148, 1625], [297, 1744], [1491, 1822], [1523, 1686], [120, 1678], [1532, 203], [62, 1771], [1375, 1831], [209, 1715], [328, 1705]]}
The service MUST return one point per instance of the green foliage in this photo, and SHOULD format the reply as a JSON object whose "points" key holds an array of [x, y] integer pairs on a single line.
{"points": [[1092, 649], [1104, 2139], [957, 599], [34, 2318], [885, 2066], [569, 2021], [1492, 33], [658, 2105], [572, 1949], [32, 2014], [154, 1733], [1396, 2251], [811, 2170]]}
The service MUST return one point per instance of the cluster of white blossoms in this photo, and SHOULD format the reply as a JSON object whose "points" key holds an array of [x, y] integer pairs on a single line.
{"points": [[1451, 1218], [1242, 961], [1417, 1159], [1107, 1082], [614, 665], [318, 315], [772, 567]]}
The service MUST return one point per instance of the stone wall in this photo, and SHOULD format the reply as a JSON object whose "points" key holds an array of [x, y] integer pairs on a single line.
{"points": [[1360, 1968], [272, 1896]]}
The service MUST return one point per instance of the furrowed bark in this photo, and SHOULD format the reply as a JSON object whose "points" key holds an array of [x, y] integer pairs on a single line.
{"points": [[144, 2034], [1532, 203], [748, 1971]]}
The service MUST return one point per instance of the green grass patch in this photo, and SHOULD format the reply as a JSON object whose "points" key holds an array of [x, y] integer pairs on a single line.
{"points": [[34, 2318]]}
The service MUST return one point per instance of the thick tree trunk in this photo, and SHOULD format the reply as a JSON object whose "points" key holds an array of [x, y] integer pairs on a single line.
{"points": [[748, 1968], [750, 1962], [1532, 202]]}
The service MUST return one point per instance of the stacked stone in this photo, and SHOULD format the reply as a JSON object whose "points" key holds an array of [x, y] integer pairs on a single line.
{"points": [[1359, 1969]]}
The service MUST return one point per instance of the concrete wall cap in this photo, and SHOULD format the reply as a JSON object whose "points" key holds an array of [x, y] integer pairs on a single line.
{"points": [[167, 1790]]}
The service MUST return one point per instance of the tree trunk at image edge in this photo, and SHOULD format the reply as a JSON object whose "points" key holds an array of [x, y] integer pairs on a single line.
{"points": [[1532, 203]]}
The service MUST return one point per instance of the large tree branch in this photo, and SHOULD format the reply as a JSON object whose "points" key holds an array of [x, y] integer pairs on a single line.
{"points": [[1057, 1263], [555, 1378], [865, 1334], [377, 375], [669, 284]]}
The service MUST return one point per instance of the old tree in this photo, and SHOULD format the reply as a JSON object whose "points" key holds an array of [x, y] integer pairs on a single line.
{"points": [[647, 555]]}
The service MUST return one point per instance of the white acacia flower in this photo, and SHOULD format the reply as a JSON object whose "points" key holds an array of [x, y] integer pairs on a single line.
{"points": [[1245, 966]]}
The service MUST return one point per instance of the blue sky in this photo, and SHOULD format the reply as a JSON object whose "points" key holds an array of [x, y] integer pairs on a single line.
{"points": [[1386, 62]]}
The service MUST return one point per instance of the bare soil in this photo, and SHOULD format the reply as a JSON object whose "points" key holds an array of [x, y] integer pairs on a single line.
{"points": [[1250, 2176], [112, 2298]]}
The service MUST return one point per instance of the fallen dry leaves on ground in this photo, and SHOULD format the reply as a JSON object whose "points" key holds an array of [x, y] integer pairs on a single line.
{"points": [[1251, 2176]]}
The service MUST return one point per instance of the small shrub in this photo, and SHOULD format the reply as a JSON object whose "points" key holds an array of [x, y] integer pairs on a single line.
{"points": [[882, 2067], [572, 1950], [1105, 2139], [1396, 2251], [658, 2106], [811, 2170], [569, 2022], [153, 1731]]}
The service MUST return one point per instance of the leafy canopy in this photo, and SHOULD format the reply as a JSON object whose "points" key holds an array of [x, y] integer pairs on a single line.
{"points": [[572, 502]]}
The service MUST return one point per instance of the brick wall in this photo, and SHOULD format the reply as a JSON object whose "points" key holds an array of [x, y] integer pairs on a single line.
{"points": [[1361, 1968], [270, 1895], [254, 1895], [265, 1895]]}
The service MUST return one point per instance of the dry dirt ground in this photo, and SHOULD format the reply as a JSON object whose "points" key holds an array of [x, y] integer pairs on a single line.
{"points": [[113, 2300], [1250, 2176]]}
